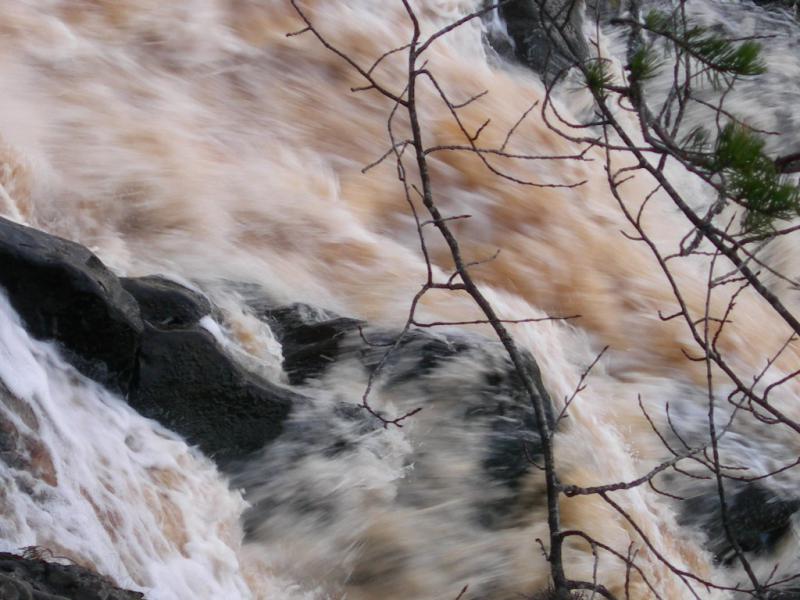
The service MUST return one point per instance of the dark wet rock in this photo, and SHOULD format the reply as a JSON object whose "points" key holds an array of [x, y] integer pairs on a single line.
{"points": [[487, 397], [419, 353], [512, 439], [785, 594], [314, 340], [34, 579], [309, 338], [547, 37], [495, 394], [757, 516], [604, 9], [313, 436], [64, 293], [187, 383], [422, 358], [164, 303], [469, 372], [170, 369], [793, 6]]}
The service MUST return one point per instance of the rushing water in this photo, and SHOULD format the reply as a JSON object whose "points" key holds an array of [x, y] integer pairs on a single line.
{"points": [[195, 139]]}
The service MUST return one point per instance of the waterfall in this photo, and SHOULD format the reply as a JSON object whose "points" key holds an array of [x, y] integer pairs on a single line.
{"points": [[194, 139]]}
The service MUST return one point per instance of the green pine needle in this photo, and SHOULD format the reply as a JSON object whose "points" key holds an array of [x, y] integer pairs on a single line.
{"points": [[718, 53], [752, 178], [598, 76], [644, 64]]}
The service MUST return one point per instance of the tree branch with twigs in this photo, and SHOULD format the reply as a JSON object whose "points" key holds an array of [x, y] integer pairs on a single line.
{"points": [[728, 158]]}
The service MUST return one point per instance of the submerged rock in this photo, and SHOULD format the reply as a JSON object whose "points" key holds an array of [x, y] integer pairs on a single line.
{"points": [[20, 447], [547, 36], [787, 594], [463, 378], [309, 338], [482, 390], [35, 579], [64, 293], [151, 343], [757, 516], [793, 6]]}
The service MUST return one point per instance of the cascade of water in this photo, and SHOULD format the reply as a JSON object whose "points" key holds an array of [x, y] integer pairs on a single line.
{"points": [[195, 139]]}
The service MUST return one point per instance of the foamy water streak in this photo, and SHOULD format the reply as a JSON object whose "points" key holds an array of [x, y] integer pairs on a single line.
{"points": [[89, 480], [193, 138]]}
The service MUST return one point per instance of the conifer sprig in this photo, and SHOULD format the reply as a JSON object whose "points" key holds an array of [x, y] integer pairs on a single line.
{"points": [[715, 51], [752, 180], [733, 158]]}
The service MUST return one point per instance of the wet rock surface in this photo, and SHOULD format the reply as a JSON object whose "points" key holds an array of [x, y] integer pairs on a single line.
{"points": [[34, 579], [64, 293], [140, 337], [186, 382], [173, 369], [164, 303], [793, 6], [758, 517], [547, 35], [309, 338], [787, 594], [466, 377]]}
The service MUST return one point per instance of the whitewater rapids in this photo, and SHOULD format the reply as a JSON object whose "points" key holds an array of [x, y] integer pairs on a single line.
{"points": [[195, 139]]}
